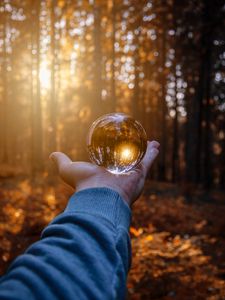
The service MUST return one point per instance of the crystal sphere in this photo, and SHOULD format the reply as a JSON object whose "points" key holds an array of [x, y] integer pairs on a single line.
{"points": [[117, 142]]}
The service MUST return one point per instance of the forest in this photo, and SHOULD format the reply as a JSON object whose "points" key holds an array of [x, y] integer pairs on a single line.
{"points": [[64, 63]]}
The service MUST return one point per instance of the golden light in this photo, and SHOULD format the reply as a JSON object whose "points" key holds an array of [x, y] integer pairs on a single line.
{"points": [[126, 154], [45, 76]]}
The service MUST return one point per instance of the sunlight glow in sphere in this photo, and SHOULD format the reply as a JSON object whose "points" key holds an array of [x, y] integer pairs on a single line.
{"points": [[117, 142]]}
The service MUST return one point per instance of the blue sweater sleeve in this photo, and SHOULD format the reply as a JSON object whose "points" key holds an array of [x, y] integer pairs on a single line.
{"points": [[84, 253]]}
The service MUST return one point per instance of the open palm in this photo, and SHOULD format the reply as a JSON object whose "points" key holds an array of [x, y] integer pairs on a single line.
{"points": [[83, 175]]}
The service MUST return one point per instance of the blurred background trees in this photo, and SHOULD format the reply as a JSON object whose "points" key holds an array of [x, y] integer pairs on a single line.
{"points": [[64, 63]]}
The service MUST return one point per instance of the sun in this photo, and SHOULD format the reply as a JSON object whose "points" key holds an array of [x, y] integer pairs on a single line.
{"points": [[126, 154], [45, 76]]}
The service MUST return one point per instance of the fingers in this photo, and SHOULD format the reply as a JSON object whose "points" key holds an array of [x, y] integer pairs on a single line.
{"points": [[60, 159], [72, 173], [150, 155], [64, 166], [154, 144]]}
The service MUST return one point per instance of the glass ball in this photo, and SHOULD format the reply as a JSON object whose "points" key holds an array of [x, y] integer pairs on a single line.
{"points": [[117, 142]]}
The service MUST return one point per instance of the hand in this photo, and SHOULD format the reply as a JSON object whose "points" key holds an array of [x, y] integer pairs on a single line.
{"points": [[83, 175]]}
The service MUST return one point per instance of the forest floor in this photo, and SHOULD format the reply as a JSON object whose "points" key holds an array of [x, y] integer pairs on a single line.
{"points": [[178, 243]]}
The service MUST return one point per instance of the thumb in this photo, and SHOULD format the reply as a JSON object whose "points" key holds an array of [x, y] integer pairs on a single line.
{"points": [[150, 155], [60, 159]]}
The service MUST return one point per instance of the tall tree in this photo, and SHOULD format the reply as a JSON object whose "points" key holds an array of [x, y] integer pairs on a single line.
{"points": [[113, 57], [53, 102], [198, 140], [222, 170], [5, 95], [162, 102], [210, 14], [136, 95], [36, 113], [175, 163], [194, 118], [97, 71]]}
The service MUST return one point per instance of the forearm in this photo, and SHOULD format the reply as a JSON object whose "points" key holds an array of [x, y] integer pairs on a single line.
{"points": [[83, 253]]}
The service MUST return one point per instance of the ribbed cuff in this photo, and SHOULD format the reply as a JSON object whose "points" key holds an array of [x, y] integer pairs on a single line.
{"points": [[103, 202]]}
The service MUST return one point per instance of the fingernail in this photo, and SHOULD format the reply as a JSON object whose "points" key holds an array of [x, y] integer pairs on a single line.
{"points": [[52, 157]]}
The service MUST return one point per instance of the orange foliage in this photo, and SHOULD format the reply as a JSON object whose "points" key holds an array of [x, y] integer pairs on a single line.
{"points": [[178, 247]]}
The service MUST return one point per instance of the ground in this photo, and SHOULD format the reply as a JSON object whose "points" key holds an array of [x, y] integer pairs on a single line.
{"points": [[178, 238]]}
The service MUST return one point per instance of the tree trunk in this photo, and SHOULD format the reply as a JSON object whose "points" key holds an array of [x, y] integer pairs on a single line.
{"points": [[207, 166], [136, 95], [222, 170], [198, 164], [53, 102], [163, 108], [194, 132], [113, 82], [37, 143], [97, 80], [175, 163], [175, 139], [5, 110]]}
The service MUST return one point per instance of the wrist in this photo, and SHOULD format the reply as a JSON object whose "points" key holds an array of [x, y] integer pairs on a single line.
{"points": [[93, 185], [103, 202]]}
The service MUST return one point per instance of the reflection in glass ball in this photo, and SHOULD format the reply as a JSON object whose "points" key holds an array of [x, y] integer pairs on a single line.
{"points": [[117, 142]]}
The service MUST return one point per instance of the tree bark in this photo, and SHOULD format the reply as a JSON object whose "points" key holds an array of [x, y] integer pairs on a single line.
{"points": [[175, 163], [198, 148], [5, 106], [97, 80], [37, 143], [53, 102], [136, 94], [163, 106], [113, 82], [207, 165], [222, 170], [175, 140]]}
